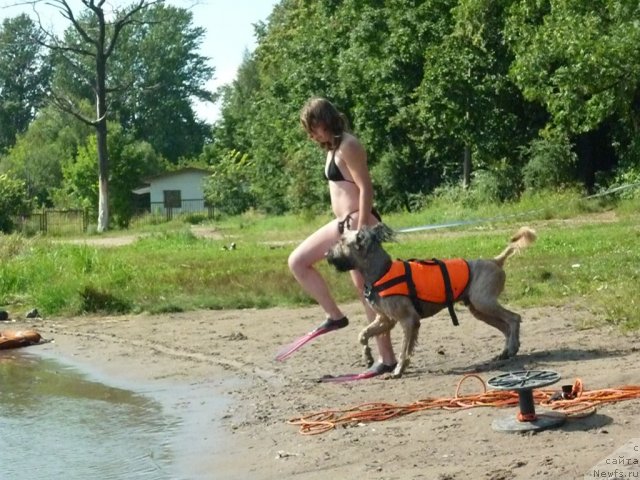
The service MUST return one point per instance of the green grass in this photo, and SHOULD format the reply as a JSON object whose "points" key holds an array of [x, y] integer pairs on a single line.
{"points": [[587, 254]]}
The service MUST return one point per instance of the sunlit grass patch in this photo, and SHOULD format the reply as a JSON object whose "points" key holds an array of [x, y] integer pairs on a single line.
{"points": [[590, 257]]}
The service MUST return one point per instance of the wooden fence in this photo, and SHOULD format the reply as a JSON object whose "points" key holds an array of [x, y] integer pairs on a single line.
{"points": [[72, 222], [158, 213], [52, 221]]}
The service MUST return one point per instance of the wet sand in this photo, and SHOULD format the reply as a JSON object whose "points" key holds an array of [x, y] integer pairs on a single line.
{"points": [[218, 368]]}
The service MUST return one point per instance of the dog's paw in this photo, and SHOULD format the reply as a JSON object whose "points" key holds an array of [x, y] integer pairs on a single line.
{"points": [[504, 355], [367, 357], [398, 371]]}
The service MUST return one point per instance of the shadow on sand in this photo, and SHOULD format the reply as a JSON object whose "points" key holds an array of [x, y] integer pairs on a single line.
{"points": [[532, 361]]}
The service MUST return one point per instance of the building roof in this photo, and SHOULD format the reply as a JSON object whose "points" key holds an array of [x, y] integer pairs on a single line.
{"points": [[146, 188], [142, 190], [178, 172]]}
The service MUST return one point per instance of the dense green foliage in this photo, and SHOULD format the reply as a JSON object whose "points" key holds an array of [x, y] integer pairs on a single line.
{"points": [[13, 201], [532, 93], [149, 72], [24, 77], [538, 93], [229, 186], [163, 73]]}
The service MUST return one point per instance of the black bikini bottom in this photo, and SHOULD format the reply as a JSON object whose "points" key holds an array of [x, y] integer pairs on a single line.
{"points": [[347, 220]]}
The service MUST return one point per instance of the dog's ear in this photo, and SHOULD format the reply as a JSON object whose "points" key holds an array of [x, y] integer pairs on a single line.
{"points": [[361, 238], [382, 233]]}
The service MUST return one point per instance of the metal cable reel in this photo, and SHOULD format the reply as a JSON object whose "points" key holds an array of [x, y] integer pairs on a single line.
{"points": [[523, 382]]}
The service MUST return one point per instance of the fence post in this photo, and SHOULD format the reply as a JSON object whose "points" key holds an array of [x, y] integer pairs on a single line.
{"points": [[43, 221]]}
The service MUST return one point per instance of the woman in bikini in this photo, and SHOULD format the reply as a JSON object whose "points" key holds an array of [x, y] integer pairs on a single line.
{"points": [[351, 194]]}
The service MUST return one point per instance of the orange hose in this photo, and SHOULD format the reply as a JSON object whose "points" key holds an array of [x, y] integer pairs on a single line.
{"points": [[582, 404]]}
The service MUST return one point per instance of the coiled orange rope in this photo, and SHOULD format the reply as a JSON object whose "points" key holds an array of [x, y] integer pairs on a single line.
{"points": [[582, 404]]}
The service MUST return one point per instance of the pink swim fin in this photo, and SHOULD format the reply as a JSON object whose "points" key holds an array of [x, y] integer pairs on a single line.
{"points": [[327, 326], [373, 371]]}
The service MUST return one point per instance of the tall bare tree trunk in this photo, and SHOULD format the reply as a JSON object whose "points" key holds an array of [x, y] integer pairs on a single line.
{"points": [[99, 44], [101, 140], [103, 177]]}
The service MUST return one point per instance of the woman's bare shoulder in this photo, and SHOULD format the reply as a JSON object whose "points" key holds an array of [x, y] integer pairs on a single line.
{"points": [[351, 146]]}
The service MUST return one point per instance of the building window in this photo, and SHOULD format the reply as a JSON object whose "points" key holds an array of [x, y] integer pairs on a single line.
{"points": [[172, 199]]}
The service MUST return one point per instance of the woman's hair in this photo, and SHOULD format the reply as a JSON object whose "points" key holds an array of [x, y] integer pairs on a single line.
{"points": [[320, 111]]}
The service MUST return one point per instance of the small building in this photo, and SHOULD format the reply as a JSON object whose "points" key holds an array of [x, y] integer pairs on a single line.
{"points": [[179, 191]]}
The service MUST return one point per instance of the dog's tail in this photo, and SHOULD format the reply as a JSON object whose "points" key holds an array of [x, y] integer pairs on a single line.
{"points": [[522, 239]]}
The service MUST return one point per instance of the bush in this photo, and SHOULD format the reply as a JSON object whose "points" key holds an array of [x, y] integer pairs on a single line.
{"points": [[228, 189], [488, 187], [498, 184], [95, 300], [307, 191], [13, 201], [550, 161], [628, 178], [195, 218]]}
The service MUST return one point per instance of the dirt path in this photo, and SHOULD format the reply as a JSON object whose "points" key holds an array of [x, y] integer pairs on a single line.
{"points": [[442, 445]]}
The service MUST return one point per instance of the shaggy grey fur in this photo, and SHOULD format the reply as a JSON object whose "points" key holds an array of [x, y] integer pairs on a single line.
{"points": [[362, 251]]}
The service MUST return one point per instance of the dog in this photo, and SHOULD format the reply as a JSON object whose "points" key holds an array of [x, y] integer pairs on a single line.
{"points": [[482, 284]]}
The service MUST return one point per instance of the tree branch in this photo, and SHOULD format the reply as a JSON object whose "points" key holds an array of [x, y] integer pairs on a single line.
{"points": [[127, 19], [65, 10], [68, 106]]}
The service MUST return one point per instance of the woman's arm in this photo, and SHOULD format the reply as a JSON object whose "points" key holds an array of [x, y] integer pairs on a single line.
{"points": [[354, 158]]}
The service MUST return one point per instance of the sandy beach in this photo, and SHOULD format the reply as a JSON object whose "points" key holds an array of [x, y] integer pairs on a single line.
{"points": [[232, 353]]}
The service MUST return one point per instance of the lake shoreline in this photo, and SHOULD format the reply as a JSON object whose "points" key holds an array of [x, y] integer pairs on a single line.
{"points": [[205, 355]]}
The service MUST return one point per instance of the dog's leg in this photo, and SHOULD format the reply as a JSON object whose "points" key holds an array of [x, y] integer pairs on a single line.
{"points": [[514, 320], [504, 320], [487, 283], [496, 323], [410, 326], [381, 324]]}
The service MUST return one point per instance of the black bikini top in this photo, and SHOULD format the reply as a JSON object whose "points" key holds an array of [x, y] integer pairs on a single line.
{"points": [[333, 173]]}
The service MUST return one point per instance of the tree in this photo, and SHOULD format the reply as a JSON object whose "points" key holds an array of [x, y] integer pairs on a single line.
{"points": [[467, 110], [131, 162], [236, 107], [159, 73], [380, 68], [93, 35], [24, 77], [578, 59], [13, 201], [51, 141], [434, 87], [295, 59], [228, 188]]}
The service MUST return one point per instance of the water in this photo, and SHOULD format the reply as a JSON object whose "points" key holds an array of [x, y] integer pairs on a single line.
{"points": [[58, 423]]}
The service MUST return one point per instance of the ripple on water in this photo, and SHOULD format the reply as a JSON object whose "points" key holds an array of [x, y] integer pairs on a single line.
{"points": [[57, 424]]}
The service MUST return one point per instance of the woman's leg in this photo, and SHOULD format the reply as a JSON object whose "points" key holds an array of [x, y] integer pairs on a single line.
{"points": [[385, 348], [302, 261]]}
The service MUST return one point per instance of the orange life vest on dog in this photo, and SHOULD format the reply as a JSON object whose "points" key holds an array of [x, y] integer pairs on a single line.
{"points": [[436, 281]]}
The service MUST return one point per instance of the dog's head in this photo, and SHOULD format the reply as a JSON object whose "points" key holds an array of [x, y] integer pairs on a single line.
{"points": [[357, 247]]}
